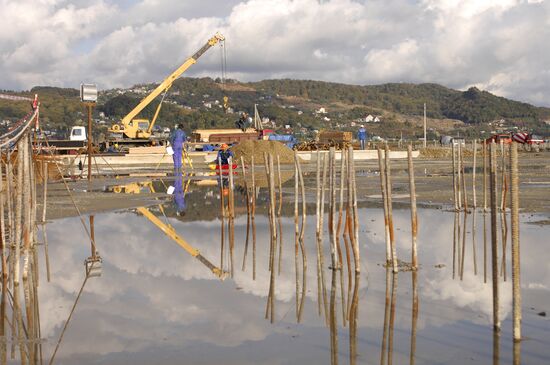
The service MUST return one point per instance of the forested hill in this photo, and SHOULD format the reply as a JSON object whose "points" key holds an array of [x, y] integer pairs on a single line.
{"points": [[196, 103], [471, 106]]}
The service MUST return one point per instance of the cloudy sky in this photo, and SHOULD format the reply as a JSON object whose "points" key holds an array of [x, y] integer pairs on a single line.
{"points": [[498, 45]]}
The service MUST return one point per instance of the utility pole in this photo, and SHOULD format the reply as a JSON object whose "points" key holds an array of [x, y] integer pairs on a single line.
{"points": [[88, 95], [89, 149], [425, 125]]}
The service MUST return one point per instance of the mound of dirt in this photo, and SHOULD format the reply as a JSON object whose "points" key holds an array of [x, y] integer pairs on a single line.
{"points": [[247, 149]]}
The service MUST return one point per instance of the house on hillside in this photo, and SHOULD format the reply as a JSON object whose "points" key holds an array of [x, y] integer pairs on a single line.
{"points": [[321, 110]]}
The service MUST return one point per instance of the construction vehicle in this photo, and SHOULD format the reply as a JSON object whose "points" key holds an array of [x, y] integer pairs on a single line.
{"points": [[134, 131], [166, 228]]}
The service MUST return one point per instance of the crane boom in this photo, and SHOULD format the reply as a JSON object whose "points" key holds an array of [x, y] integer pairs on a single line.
{"points": [[139, 128]]}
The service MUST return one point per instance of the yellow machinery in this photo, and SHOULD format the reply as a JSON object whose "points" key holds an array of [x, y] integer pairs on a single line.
{"points": [[167, 229], [132, 128]]}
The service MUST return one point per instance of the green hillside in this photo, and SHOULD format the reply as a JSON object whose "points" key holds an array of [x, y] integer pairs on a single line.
{"points": [[196, 102]]}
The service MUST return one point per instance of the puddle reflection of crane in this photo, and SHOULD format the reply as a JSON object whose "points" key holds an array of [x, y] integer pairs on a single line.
{"points": [[166, 228]]}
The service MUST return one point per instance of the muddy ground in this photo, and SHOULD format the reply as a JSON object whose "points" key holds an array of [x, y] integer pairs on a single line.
{"points": [[433, 178]]}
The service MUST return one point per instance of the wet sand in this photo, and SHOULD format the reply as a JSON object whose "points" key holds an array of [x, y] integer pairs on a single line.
{"points": [[433, 186]]}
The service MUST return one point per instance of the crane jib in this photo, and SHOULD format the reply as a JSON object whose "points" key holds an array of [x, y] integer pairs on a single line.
{"points": [[201, 51]]}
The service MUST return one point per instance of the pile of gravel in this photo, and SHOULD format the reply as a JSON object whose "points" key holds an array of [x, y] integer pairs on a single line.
{"points": [[247, 149]]}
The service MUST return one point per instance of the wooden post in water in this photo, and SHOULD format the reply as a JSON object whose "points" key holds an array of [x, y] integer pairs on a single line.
{"points": [[296, 236], [253, 217], [414, 218], [279, 212], [381, 165], [318, 228], [463, 181], [474, 175], [222, 211], [390, 209], [231, 222], [301, 238], [247, 195], [484, 176], [455, 190], [355, 223], [504, 183], [494, 237], [459, 175], [3, 238], [332, 209], [516, 287], [414, 319]]}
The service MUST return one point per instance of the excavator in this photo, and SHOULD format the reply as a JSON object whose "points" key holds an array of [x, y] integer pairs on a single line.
{"points": [[134, 131]]}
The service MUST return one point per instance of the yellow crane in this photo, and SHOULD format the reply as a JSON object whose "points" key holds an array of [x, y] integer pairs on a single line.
{"points": [[167, 229], [133, 128]]}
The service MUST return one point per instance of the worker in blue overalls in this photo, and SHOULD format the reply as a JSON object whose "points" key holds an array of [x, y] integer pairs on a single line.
{"points": [[179, 196], [177, 140], [225, 155], [362, 136]]}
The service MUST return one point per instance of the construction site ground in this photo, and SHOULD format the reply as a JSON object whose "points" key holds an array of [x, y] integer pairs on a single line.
{"points": [[433, 178]]}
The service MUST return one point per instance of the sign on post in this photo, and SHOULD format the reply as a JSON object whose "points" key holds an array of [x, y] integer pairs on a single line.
{"points": [[88, 93]]}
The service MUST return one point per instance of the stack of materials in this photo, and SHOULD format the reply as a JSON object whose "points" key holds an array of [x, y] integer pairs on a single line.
{"points": [[334, 137]]}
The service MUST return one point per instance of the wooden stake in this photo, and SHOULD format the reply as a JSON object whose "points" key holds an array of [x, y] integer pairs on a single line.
{"points": [[414, 219], [390, 209], [474, 175], [516, 287], [381, 164], [494, 237]]}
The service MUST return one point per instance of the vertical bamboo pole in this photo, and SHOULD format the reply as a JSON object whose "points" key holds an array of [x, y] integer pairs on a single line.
{"points": [[503, 185], [474, 250], [485, 176], [333, 321], [381, 165], [231, 222], [353, 314], [455, 190], [338, 233], [390, 208], [247, 239], [414, 319], [279, 212], [414, 218], [459, 174], [222, 209], [494, 237], [273, 235], [3, 238], [253, 217], [392, 317], [318, 228], [516, 287], [474, 175], [455, 235], [384, 342], [44, 205], [296, 237], [320, 243], [484, 247], [301, 239], [464, 236], [356, 253], [463, 181], [332, 208]]}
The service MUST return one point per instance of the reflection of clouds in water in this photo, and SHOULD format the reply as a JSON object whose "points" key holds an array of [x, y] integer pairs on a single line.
{"points": [[153, 292]]}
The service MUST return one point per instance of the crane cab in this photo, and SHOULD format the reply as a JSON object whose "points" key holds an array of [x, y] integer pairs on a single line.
{"points": [[137, 128], [78, 133]]}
